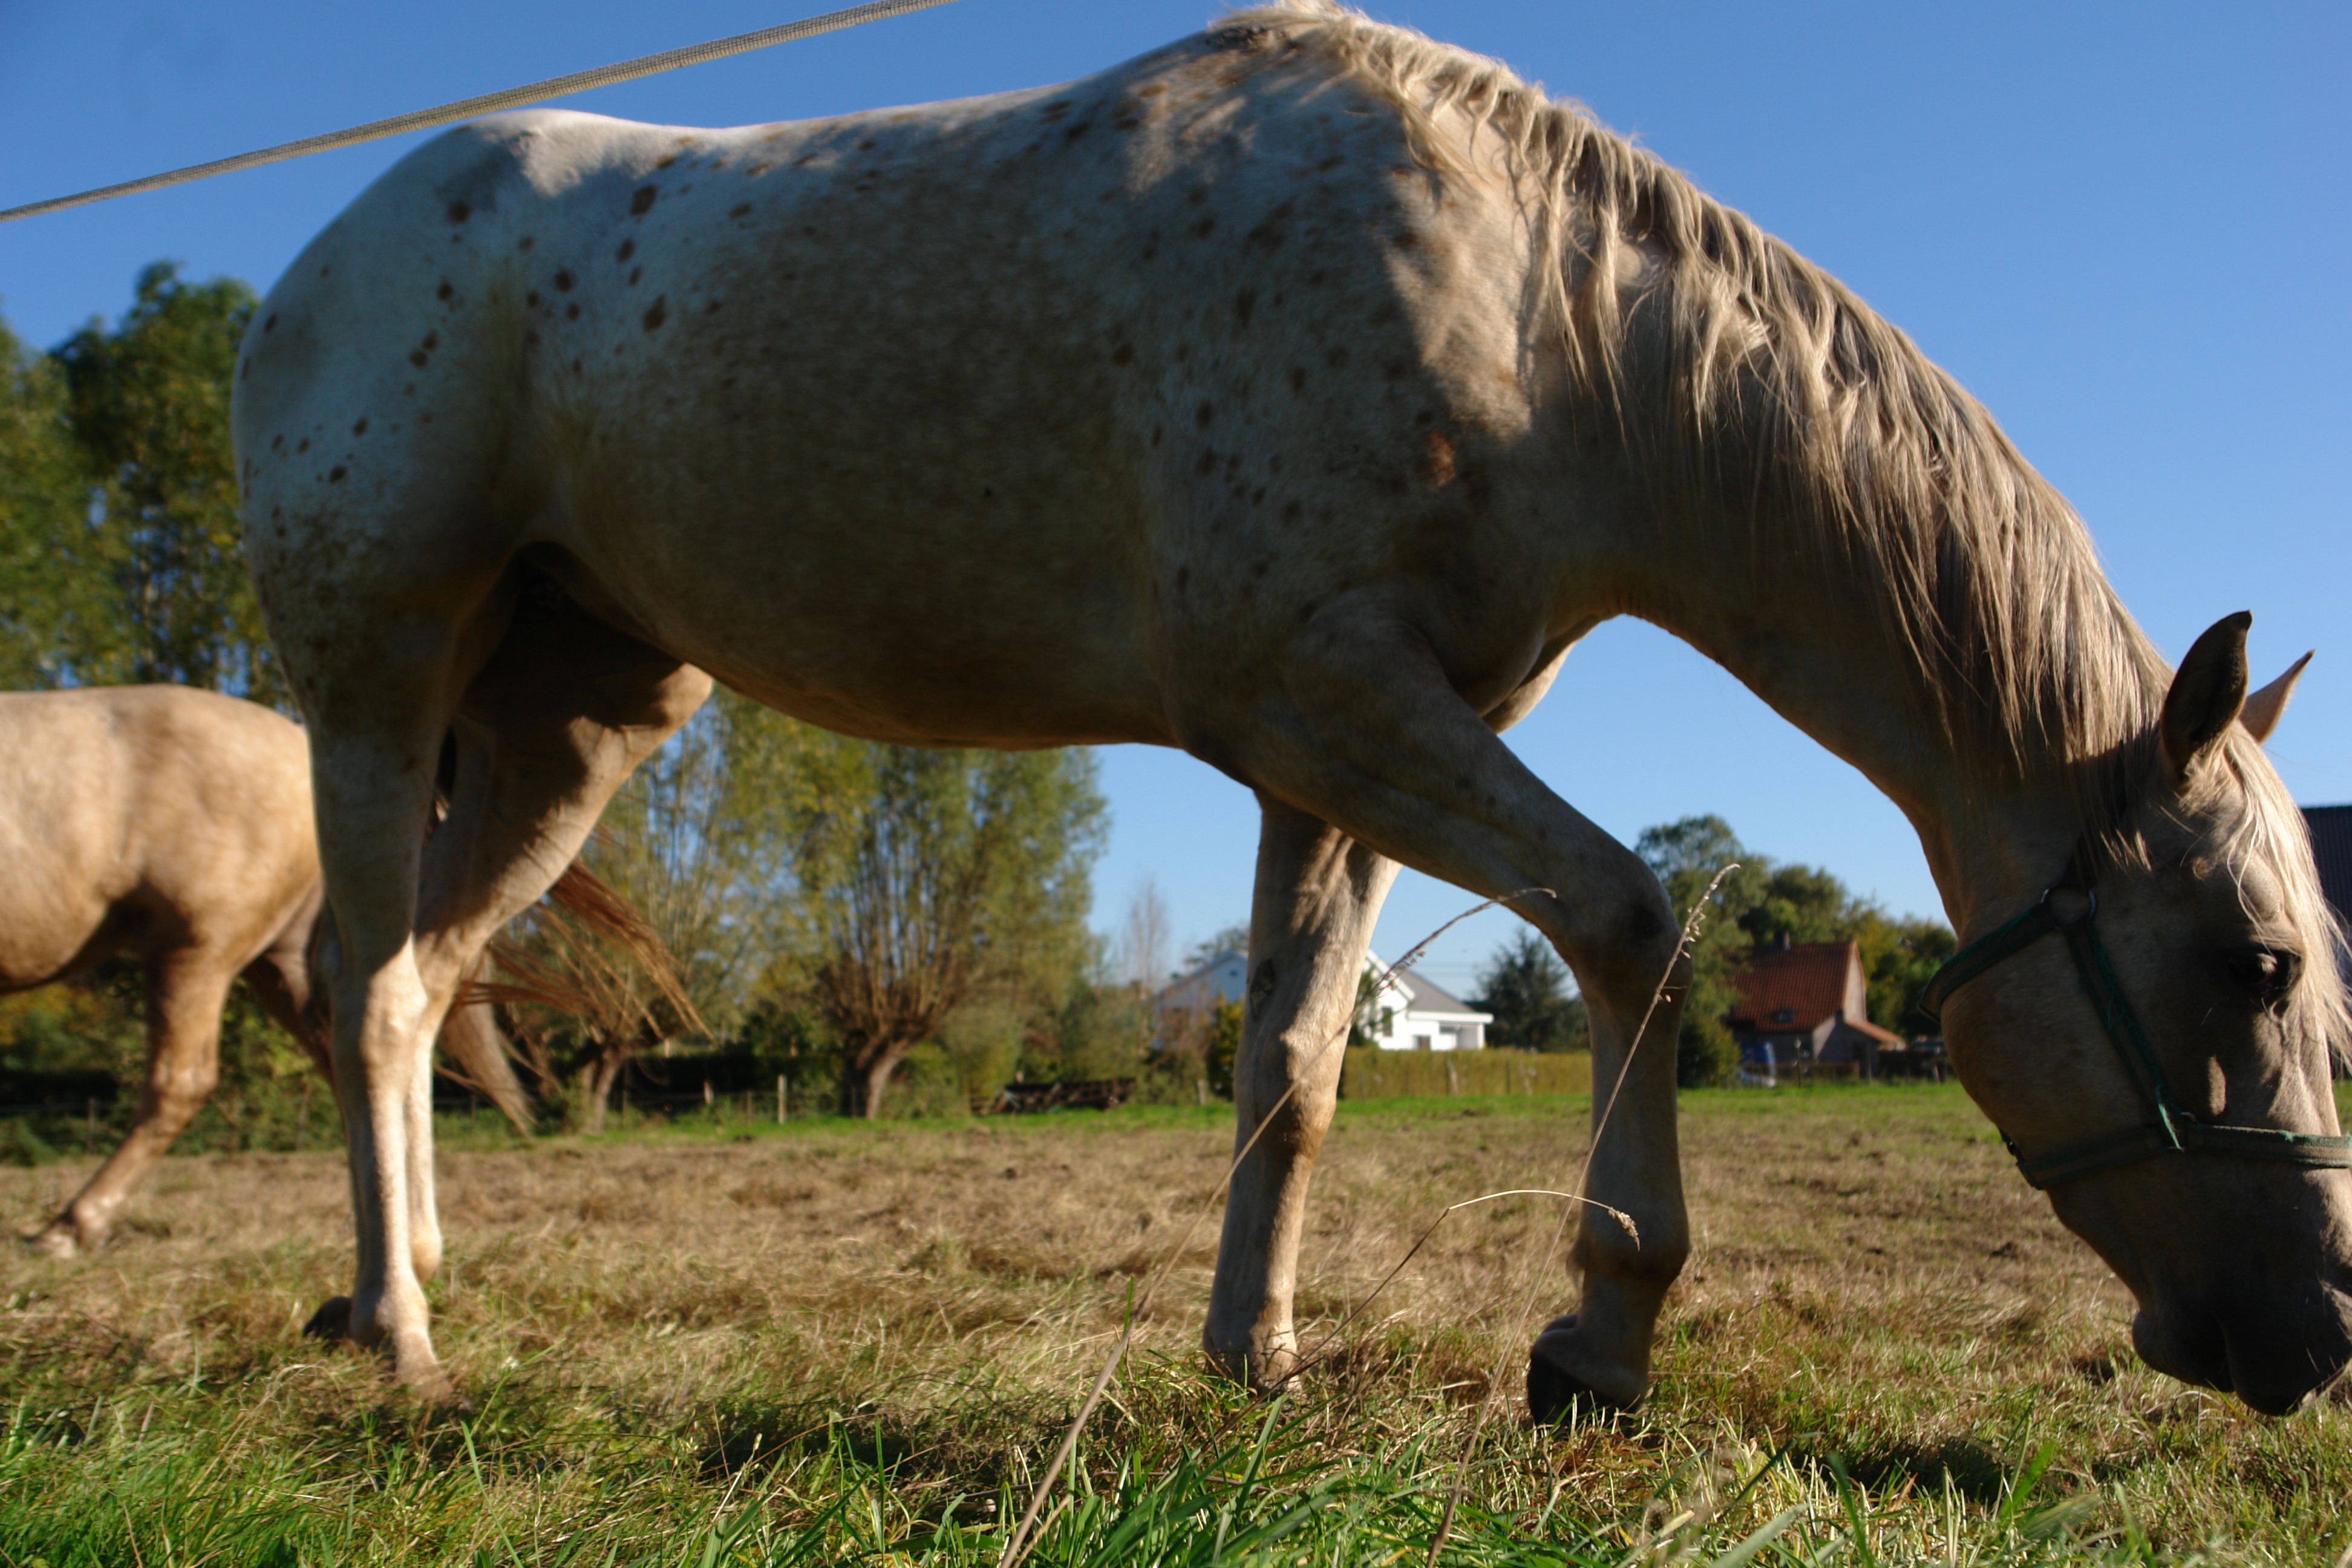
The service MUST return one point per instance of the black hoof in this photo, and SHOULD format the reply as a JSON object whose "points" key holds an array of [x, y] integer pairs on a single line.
{"points": [[1553, 1396], [332, 1322]]}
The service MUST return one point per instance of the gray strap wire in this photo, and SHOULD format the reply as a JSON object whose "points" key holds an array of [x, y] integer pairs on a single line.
{"points": [[489, 103]]}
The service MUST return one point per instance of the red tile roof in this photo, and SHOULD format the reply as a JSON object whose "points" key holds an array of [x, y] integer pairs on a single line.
{"points": [[1812, 980]]}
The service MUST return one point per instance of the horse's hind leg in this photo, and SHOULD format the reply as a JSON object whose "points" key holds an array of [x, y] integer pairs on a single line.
{"points": [[184, 995], [1317, 895]]}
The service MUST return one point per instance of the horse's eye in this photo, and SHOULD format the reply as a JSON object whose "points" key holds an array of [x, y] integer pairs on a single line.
{"points": [[2266, 973]]}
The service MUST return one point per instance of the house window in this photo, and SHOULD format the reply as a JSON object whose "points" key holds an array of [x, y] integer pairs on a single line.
{"points": [[1421, 1042], [1387, 1023], [1784, 1014]]}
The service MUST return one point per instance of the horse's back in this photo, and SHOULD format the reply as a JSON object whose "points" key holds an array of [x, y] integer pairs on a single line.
{"points": [[961, 422], [146, 815]]}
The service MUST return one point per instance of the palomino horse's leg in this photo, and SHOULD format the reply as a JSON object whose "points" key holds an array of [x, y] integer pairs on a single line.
{"points": [[1373, 739], [184, 994], [1317, 895]]}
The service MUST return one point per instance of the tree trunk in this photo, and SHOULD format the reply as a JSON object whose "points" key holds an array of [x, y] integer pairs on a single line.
{"points": [[865, 1079], [602, 1073]]}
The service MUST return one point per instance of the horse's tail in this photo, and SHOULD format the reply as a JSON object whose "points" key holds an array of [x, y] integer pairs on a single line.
{"points": [[477, 1055]]}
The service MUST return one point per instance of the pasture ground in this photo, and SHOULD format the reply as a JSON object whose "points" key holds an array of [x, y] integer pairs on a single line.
{"points": [[723, 1342]]}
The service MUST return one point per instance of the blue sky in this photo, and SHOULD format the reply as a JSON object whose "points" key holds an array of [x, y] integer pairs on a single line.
{"points": [[2124, 228]]}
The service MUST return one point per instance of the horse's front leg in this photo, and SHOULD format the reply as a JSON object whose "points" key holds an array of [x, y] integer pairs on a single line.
{"points": [[1319, 893], [1366, 731]]}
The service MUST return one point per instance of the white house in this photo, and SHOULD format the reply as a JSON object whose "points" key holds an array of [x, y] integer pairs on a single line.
{"points": [[1410, 1014]]}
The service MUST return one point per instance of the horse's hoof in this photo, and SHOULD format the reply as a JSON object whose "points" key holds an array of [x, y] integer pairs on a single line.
{"points": [[1558, 1385], [56, 1240], [332, 1322]]}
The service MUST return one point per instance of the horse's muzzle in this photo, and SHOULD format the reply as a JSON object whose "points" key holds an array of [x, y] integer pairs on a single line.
{"points": [[2274, 1355]]}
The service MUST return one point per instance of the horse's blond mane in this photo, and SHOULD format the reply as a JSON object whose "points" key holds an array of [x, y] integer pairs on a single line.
{"points": [[1750, 379]]}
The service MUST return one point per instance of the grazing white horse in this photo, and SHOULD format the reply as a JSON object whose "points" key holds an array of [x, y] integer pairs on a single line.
{"points": [[1298, 394], [173, 826]]}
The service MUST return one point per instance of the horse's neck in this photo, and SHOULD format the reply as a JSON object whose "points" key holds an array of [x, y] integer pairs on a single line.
{"points": [[1816, 648]]}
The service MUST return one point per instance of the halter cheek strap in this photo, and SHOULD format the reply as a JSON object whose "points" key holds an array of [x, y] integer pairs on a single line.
{"points": [[2173, 1131]]}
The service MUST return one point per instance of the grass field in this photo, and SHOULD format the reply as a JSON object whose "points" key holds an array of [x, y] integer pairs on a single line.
{"points": [[827, 1344]]}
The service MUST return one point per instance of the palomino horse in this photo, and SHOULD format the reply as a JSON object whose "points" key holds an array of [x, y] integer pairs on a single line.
{"points": [[172, 826], [1298, 394]]}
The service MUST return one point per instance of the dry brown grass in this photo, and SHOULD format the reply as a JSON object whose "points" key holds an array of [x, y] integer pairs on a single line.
{"points": [[1871, 1280]]}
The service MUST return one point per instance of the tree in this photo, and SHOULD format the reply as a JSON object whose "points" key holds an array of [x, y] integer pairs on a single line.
{"points": [[929, 878], [1143, 938], [1687, 855], [149, 405], [1234, 938], [1761, 901], [48, 591], [1524, 986]]}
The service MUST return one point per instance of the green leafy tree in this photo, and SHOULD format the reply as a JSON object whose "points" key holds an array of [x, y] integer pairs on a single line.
{"points": [[50, 594], [149, 406], [1524, 986], [1762, 902], [1687, 855], [929, 880]]}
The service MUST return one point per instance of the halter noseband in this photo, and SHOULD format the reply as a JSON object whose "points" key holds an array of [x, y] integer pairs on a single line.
{"points": [[2173, 1130]]}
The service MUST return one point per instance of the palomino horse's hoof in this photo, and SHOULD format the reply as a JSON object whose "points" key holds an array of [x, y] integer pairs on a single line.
{"points": [[1557, 1388], [56, 1241], [332, 1322]]}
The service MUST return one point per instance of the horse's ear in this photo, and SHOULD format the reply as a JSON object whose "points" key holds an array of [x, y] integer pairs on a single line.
{"points": [[2263, 707], [2207, 694]]}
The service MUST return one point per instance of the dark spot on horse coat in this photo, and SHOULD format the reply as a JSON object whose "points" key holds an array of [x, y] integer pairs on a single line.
{"points": [[269, 326], [525, 243], [642, 202], [665, 161], [335, 474], [1184, 576], [1123, 354], [741, 209], [419, 358], [1208, 463], [1206, 415], [1244, 305], [447, 290], [1297, 378], [1289, 510], [1261, 984], [1406, 239], [571, 312], [245, 369], [1206, 227], [1330, 164], [1337, 356], [563, 281], [459, 212], [1080, 129], [432, 341], [359, 428], [531, 300], [1056, 110], [635, 273], [657, 312], [276, 442], [628, 248]]}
